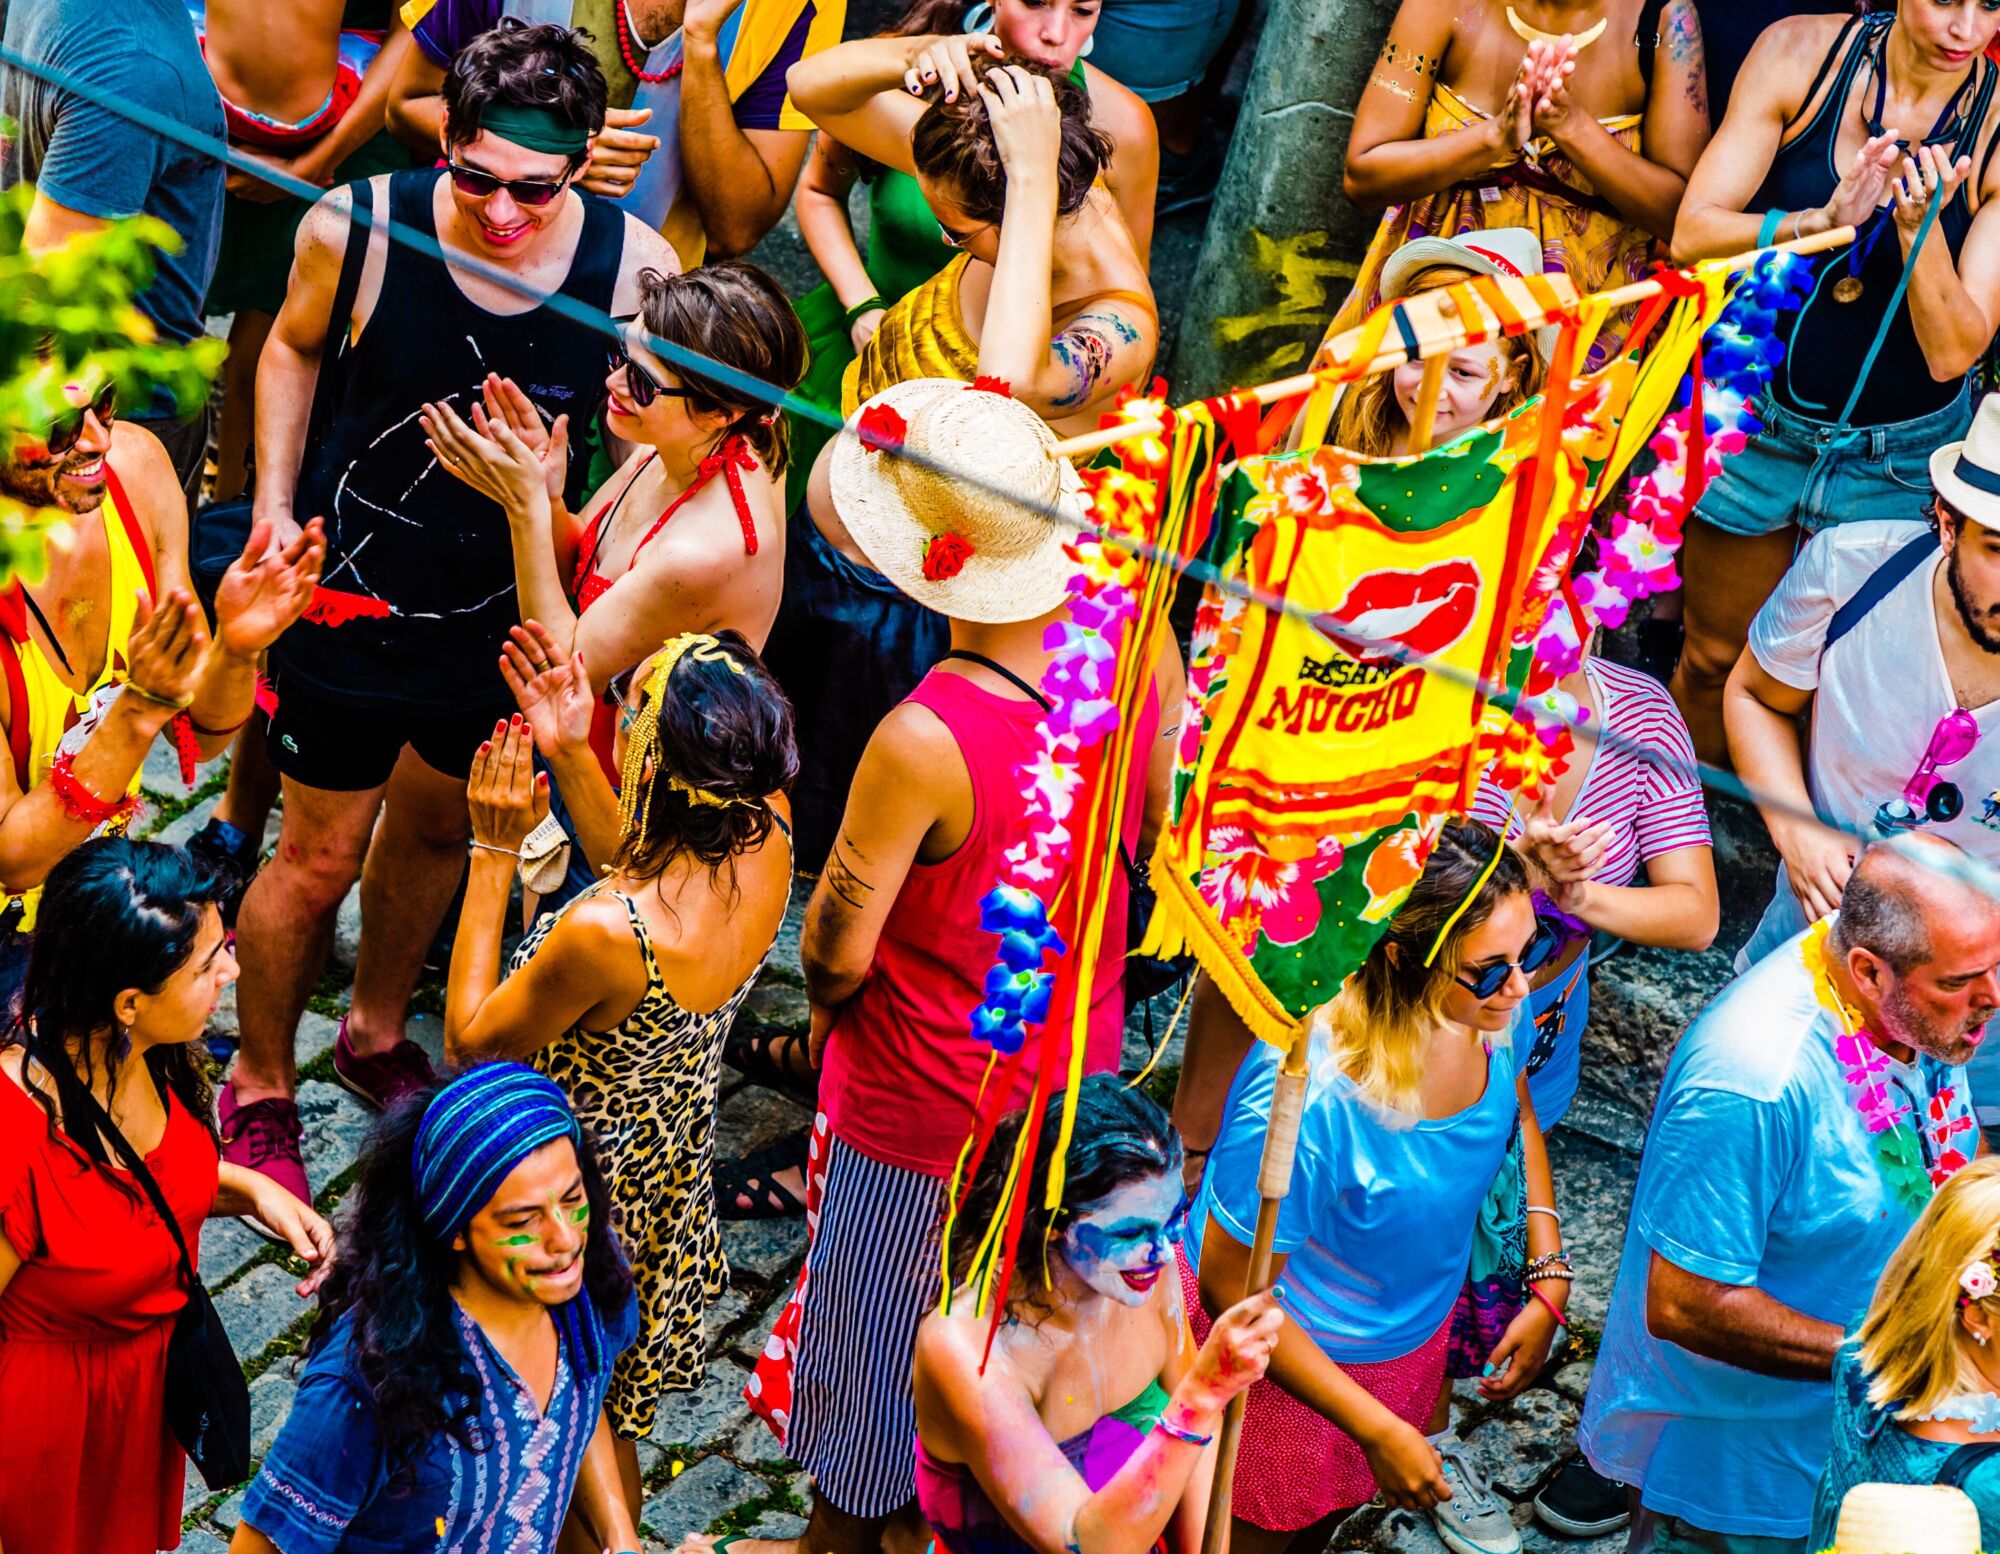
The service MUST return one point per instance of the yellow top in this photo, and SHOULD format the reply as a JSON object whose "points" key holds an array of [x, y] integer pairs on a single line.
{"points": [[59, 718], [922, 335]]}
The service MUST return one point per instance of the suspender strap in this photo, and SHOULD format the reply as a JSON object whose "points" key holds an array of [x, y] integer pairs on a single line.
{"points": [[1876, 587], [135, 531]]}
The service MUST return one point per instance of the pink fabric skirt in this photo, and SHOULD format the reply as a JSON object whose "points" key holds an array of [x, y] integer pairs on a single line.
{"points": [[1295, 1465]]}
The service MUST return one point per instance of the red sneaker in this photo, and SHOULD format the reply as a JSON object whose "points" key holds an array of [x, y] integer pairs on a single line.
{"points": [[381, 1079], [264, 1137]]}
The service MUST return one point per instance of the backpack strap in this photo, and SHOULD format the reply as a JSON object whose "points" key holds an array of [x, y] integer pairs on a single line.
{"points": [[1878, 585], [1961, 1464]]}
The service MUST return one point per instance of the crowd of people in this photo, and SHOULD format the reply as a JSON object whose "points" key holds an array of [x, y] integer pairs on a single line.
{"points": [[499, 585]]}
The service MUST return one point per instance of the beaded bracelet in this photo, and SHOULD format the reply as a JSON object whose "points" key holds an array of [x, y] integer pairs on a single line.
{"points": [[867, 305], [1566, 1274]]}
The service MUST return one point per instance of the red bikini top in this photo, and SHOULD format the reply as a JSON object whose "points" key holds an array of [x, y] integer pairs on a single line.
{"points": [[733, 456]]}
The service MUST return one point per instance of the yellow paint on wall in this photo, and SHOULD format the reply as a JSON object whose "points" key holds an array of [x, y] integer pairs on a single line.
{"points": [[1298, 269]]}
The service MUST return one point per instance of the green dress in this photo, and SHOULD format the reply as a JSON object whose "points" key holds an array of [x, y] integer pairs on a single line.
{"points": [[905, 249]]}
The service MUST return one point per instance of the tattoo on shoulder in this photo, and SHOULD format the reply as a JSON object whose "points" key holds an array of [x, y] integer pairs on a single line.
{"points": [[1397, 57], [844, 882], [1086, 348]]}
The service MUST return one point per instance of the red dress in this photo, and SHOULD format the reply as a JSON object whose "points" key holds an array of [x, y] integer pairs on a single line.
{"points": [[90, 1465]]}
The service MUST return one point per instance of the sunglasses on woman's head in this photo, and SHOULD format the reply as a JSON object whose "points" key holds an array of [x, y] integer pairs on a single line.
{"points": [[1541, 949], [959, 239], [641, 384], [477, 185], [64, 431]]}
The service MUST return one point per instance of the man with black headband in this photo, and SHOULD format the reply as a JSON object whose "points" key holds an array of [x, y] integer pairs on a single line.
{"points": [[1890, 633], [388, 687]]}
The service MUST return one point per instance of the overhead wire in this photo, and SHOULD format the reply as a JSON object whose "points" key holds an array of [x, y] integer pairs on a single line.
{"points": [[1717, 779]]}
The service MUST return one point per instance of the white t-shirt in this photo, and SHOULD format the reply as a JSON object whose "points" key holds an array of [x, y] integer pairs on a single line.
{"points": [[1878, 695]]}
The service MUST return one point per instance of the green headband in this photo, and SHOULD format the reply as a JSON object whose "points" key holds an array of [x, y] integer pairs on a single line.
{"points": [[535, 126]]}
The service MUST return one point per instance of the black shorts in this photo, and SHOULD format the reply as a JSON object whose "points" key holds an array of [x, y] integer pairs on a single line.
{"points": [[341, 748]]}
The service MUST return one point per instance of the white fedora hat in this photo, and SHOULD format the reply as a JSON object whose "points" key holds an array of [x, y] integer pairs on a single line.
{"points": [[1513, 251], [1906, 1519], [1967, 474], [964, 525]]}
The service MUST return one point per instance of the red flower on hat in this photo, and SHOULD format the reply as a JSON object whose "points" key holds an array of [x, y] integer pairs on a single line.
{"points": [[998, 386], [881, 426], [945, 557]]}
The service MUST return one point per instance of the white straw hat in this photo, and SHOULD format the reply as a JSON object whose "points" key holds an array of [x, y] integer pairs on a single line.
{"points": [[1007, 562], [1513, 251], [1967, 474], [1906, 1519]]}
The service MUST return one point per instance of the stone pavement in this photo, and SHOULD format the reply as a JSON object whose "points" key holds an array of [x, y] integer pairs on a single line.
{"points": [[710, 1466]]}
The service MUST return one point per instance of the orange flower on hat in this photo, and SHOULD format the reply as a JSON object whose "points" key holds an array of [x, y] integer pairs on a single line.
{"points": [[998, 386], [882, 426], [945, 556]]}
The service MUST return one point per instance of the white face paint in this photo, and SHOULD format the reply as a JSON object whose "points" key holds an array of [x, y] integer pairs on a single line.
{"points": [[1121, 1244]]}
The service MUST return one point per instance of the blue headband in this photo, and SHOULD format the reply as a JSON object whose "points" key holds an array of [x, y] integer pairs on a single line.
{"points": [[476, 1130]]}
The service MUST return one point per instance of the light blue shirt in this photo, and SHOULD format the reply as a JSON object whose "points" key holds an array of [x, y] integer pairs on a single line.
{"points": [[1378, 1224], [1757, 1171]]}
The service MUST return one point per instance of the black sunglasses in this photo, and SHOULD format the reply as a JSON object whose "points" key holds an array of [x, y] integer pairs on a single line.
{"points": [[644, 387], [64, 431], [1488, 980], [476, 185]]}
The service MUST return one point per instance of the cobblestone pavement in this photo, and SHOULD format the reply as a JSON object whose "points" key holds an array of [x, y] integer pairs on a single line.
{"points": [[710, 1466]]}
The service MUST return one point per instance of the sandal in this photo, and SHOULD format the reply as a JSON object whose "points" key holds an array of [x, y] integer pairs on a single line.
{"points": [[773, 1057], [755, 1177]]}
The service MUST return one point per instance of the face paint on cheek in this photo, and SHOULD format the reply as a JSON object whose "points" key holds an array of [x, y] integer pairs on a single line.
{"points": [[580, 1215]]}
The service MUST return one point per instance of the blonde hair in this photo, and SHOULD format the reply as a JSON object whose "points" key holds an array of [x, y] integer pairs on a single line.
{"points": [[1910, 1348], [1380, 1023], [1368, 418]]}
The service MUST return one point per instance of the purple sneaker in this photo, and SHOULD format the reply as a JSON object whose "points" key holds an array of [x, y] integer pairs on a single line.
{"points": [[264, 1137], [381, 1080]]}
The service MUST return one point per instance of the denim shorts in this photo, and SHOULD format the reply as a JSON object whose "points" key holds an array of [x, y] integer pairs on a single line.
{"points": [[1793, 473]]}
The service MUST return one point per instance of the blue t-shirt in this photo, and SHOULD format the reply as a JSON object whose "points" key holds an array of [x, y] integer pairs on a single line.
{"points": [[1757, 1171], [326, 1484], [1869, 1447], [94, 162], [1378, 1225]]}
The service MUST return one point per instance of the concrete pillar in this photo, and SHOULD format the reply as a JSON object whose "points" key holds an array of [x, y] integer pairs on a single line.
{"points": [[1283, 243]]}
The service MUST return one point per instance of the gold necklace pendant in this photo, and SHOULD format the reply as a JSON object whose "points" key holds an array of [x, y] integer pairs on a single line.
{"points": [[1847, 289], [1580, 40]]}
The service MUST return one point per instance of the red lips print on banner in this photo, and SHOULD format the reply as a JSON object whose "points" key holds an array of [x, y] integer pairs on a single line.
{"points": [[1420, 613]]}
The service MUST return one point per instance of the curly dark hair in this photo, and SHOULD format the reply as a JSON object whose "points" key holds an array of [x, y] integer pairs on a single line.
{"points": [[952, 143], [724, 733], [114, 914], [542, 65], [393, 1277], [733, 313], [1121, 1136]]}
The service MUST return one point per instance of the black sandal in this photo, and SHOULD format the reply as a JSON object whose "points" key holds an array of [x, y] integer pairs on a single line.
{"points": [[771, 1056], [755, 1177]]}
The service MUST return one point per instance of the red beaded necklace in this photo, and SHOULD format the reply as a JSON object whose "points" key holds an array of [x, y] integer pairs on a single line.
{"points": [[628, 54]]}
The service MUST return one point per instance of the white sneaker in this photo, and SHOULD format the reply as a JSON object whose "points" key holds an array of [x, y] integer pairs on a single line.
{"points": [[1474, 1520]]}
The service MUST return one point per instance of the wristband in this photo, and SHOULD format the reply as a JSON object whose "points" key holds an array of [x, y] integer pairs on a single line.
{"points": [[1536, 1208], [511, 852], [1554, 1310], [867, 305], [1773, 219], [1187, 1436], [79, 803], [157, 700]]}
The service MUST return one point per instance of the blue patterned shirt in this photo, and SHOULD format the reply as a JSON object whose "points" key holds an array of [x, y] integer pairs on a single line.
{"points": [[326, 1484]]}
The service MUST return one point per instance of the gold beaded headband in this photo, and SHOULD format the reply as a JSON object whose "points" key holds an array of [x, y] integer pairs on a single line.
{"points": [[642, 738]]}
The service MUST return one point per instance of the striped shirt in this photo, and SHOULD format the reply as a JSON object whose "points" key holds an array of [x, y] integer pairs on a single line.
{"points": [[1654, 807]]}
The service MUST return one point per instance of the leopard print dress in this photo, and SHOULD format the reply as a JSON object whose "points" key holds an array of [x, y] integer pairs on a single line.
{"points": [[647, 1090]]}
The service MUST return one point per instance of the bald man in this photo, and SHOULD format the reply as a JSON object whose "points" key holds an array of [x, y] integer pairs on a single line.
{"points": [[1768, 1203]]}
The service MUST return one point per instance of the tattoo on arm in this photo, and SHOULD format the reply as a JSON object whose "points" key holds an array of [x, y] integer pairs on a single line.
{"points": [[844, 882], [1684, 51], [1396, 57], [1086, 348], [1408, 94]]}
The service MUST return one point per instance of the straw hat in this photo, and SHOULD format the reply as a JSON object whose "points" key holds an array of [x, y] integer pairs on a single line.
{"points": [[1967, 474], [959, 546], [1513, 251], [1906, 1519]]}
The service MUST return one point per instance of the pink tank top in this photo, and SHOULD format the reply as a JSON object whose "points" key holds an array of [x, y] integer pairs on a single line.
{"points": [[902, 1070]]}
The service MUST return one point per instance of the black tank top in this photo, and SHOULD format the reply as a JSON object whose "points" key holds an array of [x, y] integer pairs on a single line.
{"points": [[402, 531], [1827, 339]]}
